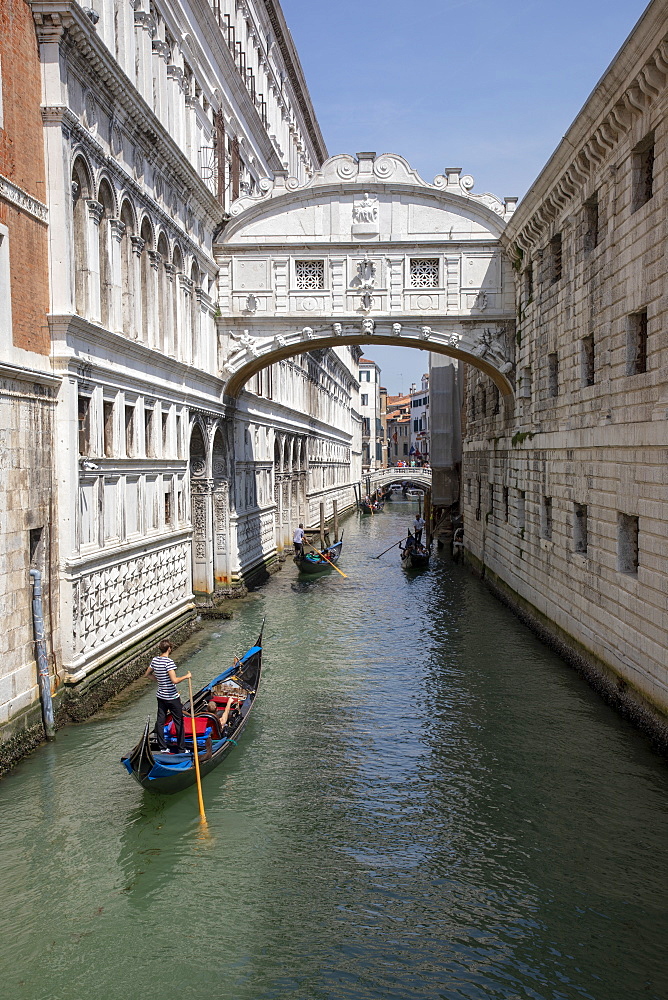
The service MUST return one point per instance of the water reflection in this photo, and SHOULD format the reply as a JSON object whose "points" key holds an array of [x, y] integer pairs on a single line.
{"points": [[426, 804]]}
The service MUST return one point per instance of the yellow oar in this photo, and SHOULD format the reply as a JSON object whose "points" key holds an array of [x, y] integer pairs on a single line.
{"points": [[202, 814], [326, 558]]}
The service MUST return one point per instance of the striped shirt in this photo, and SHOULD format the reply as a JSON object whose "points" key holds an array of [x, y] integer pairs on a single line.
{"points": [[161, 665]]}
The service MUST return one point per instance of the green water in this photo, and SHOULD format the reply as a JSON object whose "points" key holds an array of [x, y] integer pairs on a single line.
{"points": [[426, 804]]}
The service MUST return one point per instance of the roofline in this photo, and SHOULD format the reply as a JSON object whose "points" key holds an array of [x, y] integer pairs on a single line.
{"points": [[297, 78]]}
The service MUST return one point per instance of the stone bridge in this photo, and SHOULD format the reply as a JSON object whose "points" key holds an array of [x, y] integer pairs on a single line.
{"points": [[364, 253]]}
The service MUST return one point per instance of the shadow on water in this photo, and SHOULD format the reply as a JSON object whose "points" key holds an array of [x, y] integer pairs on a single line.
{"points": [[426, 804]]}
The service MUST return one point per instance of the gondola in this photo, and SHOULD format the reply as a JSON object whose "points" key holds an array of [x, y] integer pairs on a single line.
{"points": [[415, 556], [314, 562], [166, 772], [366, 507]]}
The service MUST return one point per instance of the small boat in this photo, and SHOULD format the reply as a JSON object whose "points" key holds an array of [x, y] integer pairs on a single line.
{"points": [[165, 772], [370, 506], [318, 562], [415, 555]]}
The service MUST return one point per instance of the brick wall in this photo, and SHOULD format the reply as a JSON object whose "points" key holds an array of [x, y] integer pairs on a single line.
{"points": [[22, 162]]}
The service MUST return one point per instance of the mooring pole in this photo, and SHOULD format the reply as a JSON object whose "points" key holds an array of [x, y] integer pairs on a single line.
{"points": [[322, 525], [336, 520], [43, 678]]}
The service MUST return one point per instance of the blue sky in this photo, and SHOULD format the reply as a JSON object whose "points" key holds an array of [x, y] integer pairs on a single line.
{"points": [[486, 85]]}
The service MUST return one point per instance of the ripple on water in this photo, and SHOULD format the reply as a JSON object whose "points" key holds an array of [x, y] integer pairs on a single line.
{"points": [[426, 804]]}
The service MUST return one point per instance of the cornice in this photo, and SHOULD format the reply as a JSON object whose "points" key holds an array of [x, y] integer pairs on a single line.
{"points": [[21, 199], [54, 19], [65, 327], [606, 119]]}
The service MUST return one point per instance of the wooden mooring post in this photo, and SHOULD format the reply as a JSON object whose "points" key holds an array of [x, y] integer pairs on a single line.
{"points": [[336, 520], [322, 526]]}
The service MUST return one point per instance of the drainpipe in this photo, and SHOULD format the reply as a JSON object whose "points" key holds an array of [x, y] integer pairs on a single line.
{"points": [[43, 678]]}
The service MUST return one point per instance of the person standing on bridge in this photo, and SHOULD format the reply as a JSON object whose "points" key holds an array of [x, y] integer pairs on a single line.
{"points": [[418, 525], [298, 541]]}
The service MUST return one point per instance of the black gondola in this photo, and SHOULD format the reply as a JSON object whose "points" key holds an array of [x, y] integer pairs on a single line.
{"points": [[315, 562], [165, 772], [414, 555]]}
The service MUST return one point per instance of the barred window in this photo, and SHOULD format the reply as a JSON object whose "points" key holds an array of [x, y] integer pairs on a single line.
{"points": [[424, 272], [310, 274]]}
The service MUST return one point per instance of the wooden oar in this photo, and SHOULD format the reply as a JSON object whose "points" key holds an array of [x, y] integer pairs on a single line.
{"points": [[388, 549], [202, 814], [327, 559]]}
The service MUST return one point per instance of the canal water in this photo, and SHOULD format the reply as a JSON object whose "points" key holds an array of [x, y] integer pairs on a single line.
{"points": [[427, 804]]}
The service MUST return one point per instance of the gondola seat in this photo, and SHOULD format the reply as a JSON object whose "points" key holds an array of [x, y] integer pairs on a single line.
{"points": [[205, 726]]}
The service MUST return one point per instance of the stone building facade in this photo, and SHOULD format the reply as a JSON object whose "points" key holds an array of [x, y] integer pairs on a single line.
{"points": [[565, 500], [27, 387]]}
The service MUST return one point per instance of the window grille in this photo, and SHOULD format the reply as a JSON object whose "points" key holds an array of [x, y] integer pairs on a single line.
{"points": [[643, 172], [636, 343], [580, 527], [553, 374], [587, 359], [627, 543], [546, 518], [591, 223], [424, 272], [310, 274], [556, 258]]}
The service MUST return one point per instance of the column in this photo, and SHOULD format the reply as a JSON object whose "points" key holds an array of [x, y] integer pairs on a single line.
{"points": [[138, 245], [95, 211], [152, 293], [168, 335], [221, 549], [202, 520], [117, 231]]}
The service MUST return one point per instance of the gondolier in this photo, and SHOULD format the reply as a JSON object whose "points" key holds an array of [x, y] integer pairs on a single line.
{"points": [[418, 525], [298, 541], [163, 669]]}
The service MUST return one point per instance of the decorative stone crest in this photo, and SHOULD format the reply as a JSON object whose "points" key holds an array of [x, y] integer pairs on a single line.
{"points": [[365, 216]]}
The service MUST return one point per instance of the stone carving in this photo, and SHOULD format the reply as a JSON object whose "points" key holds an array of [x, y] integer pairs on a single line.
{"points": [[480, 301], [337, 330], [366, 273], [251, 303], [425, 332], [368, 327], [365, 212], [488, 346], [246, 342], [308, 333], [396, 329], [111, 602], [279, 340]]}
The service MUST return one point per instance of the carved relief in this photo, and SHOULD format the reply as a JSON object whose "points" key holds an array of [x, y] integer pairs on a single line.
{"points": [[109, 603]]}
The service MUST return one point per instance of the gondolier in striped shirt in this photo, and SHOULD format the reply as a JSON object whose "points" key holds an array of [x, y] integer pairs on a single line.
{"points": [[163, 669]]}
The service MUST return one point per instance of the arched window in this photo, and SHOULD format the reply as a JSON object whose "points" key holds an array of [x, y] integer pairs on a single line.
{"points": [[128, 272], [81, 192], [106, 199]]}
